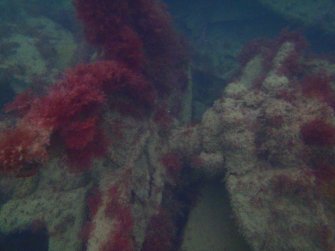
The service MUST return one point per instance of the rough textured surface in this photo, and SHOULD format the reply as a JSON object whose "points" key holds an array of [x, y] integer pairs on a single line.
{"points": [[279, 194], [35, 50], [61, 213], [259, 138], [59, 200]]}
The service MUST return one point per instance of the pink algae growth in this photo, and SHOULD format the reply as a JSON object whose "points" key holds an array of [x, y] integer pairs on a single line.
{"points": [[319, 86], [19, 154], [119, 209], [160, 232], [21, 103], [172, 163], [71, 114], [318, 133]]}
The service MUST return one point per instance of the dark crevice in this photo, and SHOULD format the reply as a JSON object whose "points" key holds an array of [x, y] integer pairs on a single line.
{"points": [[25, 240]]}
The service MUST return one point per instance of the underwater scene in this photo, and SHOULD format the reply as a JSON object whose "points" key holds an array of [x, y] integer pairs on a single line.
{"points": [[176, 125]]}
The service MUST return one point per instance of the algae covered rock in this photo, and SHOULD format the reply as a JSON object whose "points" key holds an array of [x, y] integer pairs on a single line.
{"points": [[34, 51]]}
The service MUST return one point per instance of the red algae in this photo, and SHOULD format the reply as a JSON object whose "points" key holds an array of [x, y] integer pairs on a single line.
{"points": [[173, 163], [160, 232], [318, 133], [319, 86], [119, 209]]}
